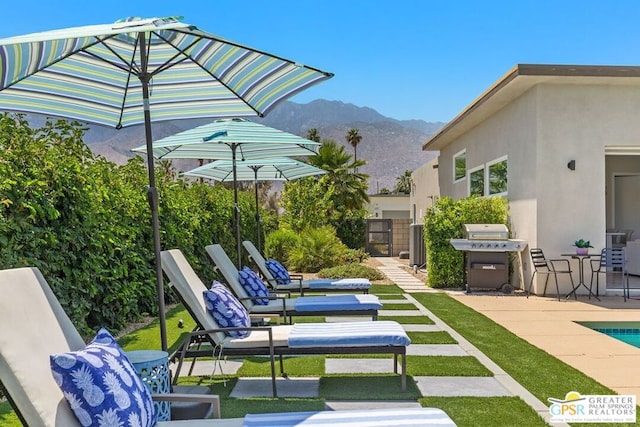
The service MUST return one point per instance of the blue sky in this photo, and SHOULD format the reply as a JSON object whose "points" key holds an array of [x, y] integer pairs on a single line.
{"points": [[407, 59]]}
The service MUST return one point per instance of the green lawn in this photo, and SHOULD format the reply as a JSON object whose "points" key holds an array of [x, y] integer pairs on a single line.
{"points": [[536, 370]]}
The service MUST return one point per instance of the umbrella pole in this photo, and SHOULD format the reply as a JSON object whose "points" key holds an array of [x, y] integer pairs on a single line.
{"points": [[152, 194], [236, 208], [255, 185]]}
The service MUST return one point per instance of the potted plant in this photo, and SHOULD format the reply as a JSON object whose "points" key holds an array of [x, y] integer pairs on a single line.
{"points": [[582, 246]]}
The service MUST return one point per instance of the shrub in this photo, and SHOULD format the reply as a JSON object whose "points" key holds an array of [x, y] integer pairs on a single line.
{"points": [[354, 256], [445, 265], [85, 222], [351, 270], [317, 249], [278, 244]]}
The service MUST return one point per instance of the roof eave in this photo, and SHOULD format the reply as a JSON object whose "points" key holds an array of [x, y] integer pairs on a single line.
{"points": [[535, 73]]}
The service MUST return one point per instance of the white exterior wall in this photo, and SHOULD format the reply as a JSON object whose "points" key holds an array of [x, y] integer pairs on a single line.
{"points": [[425, 190], [540, 132], [388, 206]]}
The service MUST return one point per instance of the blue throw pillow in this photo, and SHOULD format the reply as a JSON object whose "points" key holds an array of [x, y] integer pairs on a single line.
{"points": [[254, 286], [278, 272], [226, 310], [101, 385]]}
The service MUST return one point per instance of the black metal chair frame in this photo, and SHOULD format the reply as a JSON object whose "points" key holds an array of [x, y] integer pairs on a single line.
{"points": [[610, 260], [542, 265]]}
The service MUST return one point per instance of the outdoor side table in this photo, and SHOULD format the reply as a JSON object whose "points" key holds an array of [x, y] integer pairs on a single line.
{"points": [[580, 258], [152, 367]]}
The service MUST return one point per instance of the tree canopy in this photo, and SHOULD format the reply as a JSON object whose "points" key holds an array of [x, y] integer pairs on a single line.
{"points": [[337, 198]]}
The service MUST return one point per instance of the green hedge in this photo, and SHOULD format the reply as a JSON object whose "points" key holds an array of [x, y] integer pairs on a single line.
{"points": [[85, 222], [444, 221]]}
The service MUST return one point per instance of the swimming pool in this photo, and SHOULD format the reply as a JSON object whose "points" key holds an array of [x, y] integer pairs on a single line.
{"points": [[628, 332]]}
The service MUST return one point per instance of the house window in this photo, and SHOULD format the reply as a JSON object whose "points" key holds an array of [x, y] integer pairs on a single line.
{"points": [[459, 166], [476, 181], [497, 177]]}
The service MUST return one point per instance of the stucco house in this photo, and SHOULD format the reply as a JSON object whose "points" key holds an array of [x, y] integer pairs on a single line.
{"points": [[562, 143]]}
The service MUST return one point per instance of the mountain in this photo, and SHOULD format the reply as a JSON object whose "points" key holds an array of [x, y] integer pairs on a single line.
{"points": [[389, 146]]}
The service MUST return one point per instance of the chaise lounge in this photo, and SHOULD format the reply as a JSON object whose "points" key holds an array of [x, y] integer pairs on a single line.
{"points": [[334, 305], [35, 326], [279, 279], [363, 337]]}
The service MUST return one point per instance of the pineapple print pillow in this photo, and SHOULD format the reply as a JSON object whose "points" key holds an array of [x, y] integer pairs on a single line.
{"points": [[278, 272], [226, 310], [101, 386], [253, 286]]}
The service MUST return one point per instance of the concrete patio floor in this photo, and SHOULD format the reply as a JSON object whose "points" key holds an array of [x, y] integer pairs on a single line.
{"points": [[551, 325]]}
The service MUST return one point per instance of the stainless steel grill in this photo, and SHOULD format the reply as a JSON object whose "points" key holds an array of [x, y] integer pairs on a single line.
{"points": [[487, 248]]}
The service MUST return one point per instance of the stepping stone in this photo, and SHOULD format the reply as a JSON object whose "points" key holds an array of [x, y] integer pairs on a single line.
{"points": [[460, 386], [206, 367], [399, 313], [336, 405], [436, 350], [287, 387], [395, 301], [421, 328], [334, 319], [358, 366]]}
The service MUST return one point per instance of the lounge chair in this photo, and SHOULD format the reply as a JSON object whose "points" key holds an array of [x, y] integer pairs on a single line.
{"points": [[34, 326], [364, 337], [294, 282], [340, 305]]}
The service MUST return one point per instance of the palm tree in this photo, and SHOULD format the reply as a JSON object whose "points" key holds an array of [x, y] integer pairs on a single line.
{"points": [[403, 183], [313, 135], [350, 186], [354, 138]]}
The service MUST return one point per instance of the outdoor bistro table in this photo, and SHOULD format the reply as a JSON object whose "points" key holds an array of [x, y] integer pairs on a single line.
{"points": [[580, 258], [152, 367]]}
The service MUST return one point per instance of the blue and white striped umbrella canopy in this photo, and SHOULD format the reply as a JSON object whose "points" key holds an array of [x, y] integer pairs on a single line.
{"points": [[268, 169], [236, 140], [222, 138], [95, 74], [139, 71]]}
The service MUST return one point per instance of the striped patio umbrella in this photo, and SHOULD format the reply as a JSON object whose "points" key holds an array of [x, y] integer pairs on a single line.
{"points": [[231, 139], [276, 169], [138, 71]]}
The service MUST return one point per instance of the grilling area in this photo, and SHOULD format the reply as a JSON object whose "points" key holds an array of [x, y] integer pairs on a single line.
{"points": [[487, 249]]}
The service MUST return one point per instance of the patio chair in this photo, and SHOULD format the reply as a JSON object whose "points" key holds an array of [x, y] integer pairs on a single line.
{"points": [[363, 337], [283, 280], [340, 305], [542, 265], [620, 240], [611, 261], [34, 326]]}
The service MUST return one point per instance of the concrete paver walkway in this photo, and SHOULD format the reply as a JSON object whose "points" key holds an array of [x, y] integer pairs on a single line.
{"points": [[501, 384]]}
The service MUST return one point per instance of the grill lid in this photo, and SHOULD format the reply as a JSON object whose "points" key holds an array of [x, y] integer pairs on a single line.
{"points": [[486, 231]]}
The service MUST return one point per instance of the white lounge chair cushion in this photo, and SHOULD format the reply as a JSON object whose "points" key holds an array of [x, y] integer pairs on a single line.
{"points": [[354, 418], [253, 286], [101, 385], [338, 302], [320, 304], [356, 334], [280, 335], [227, 311], [353, 283]]}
